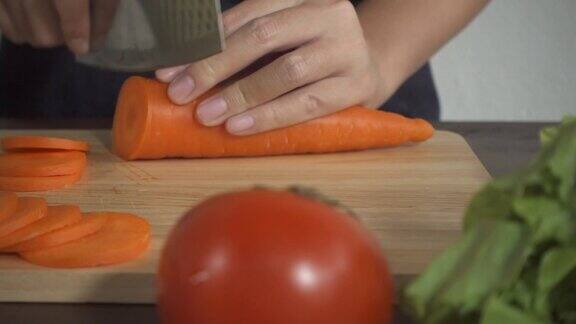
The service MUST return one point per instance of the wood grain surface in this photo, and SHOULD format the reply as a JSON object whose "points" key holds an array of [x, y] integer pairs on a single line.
{"points": [[412, 197]]}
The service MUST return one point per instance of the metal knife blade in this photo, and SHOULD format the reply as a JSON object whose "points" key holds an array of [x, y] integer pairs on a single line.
{"points": [[145, 35]]}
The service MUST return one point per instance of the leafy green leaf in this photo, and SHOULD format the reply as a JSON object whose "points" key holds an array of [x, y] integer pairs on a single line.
{"points": [[497, 311], [563, 300], [487, 258], [556, 265], [521, 292], [562, 163], [493, 202], [546, 217], [548, 134]]}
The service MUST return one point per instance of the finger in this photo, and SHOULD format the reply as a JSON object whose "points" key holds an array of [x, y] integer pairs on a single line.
{"points": [[248, 10], [291, 71], [75, 23], [16, 13], [316, 100], [169, 74], [233, 19], [7, 25], [277, 32], [42, 23], [103, 13]]}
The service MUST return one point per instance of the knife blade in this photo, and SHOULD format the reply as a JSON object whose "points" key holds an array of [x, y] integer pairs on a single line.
{"points": [[145, 35]]}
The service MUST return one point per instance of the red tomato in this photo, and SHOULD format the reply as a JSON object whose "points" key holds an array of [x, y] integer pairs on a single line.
{"points": [[272, 257]]}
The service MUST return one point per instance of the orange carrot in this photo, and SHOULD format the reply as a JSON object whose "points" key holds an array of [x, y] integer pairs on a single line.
{"points": [[29, 210], [38, 183], [89, 224], [148, 126], [42, 164], [56, 218], [20, 143], [8, 204], [122, 238]]}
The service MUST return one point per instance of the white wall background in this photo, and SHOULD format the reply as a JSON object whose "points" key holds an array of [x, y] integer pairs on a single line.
{"points": [[517, 61]]}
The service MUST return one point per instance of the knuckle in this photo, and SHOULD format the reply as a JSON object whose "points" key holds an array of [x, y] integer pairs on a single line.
{"points": [[28, 4], [311, 105], [229, 19], [274, 117], [238, 96], [263, 31], [73, 27], [294, 69], [204, 72], [69, 22], [45, 40], [345, 13], [72, 31], [344, 8]]}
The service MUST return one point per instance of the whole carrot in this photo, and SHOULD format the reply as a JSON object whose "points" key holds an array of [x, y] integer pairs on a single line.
{"points": [[147, 125]]}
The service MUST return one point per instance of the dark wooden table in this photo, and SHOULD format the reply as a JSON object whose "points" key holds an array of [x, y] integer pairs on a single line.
{"points": [[502, 147]]}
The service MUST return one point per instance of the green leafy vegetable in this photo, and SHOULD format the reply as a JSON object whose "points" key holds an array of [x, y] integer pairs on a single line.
{"points": [[488, 257], [497, 311], [516, 262]]}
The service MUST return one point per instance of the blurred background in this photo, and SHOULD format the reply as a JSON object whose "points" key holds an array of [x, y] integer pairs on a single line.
{"points": [[516, 62]]}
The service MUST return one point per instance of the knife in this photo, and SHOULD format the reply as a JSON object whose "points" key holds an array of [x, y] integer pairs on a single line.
{"points": [[145, 35]]}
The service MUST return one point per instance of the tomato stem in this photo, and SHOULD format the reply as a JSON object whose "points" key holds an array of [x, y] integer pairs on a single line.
{"points": [[314, 194]]}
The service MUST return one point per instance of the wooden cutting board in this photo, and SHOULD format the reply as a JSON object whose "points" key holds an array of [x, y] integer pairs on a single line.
{"points": [[412, 197]]}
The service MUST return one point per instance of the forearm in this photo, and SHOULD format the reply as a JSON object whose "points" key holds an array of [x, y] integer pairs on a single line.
{"points": [[404, 34]]}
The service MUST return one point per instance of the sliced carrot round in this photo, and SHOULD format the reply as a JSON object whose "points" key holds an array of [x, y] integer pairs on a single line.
{"points": [[41, 164], [30, 209], [38, 183], [18, 143], [122, 238], [8, 204], [89, 224], [57, 217]]}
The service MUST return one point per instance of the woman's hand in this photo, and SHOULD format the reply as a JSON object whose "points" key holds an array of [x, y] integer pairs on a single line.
{"points": [[323, 65], [46, 23]]}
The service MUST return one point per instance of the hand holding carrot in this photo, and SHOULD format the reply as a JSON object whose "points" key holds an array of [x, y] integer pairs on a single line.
{"points": [[324, 65]]}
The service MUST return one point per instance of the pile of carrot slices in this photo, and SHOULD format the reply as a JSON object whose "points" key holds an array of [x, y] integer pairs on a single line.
{"points": [[37, 163], [61, 236]]}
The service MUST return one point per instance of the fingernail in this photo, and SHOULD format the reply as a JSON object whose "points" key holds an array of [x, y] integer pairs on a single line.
{"points": [[181, 89], [79, 45], [210, 110], [240, 124]]}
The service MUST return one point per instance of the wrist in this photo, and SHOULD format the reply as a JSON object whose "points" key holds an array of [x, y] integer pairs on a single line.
{"points": [[390, 71]]}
